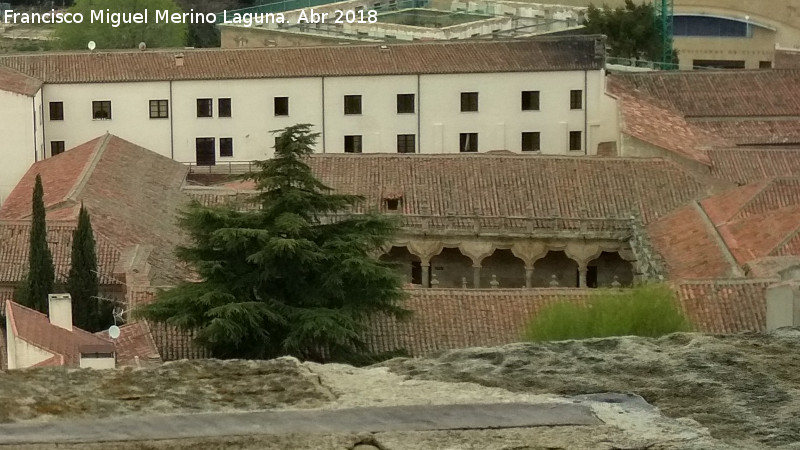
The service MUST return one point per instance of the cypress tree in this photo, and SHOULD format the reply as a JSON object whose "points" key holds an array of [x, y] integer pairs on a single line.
{"points": [[88, 312], [298, 276], [41, 273]]}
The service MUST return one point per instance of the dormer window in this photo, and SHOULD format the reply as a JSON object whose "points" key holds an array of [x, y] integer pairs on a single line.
{"points": [[393, 200], [392, 204]]}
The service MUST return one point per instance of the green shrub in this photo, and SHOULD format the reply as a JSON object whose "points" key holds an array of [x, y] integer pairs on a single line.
{"points": [[648, 310]]}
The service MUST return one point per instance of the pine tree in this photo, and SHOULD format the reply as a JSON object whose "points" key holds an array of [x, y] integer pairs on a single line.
{"points": [[88, 312], [41, 273], [298, 276]]}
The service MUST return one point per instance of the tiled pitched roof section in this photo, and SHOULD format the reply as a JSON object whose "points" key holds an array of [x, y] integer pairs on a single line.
{"points": [[656, 123], [745, 166], [515, 186], [174, 344], [727, 205], [689, 246], [36, 329], [133, 196], [753, 132], [60, 176], [725, 306], [760, 235], [733, 93], [135, 345], [18, 83], [15, 239], [477, 56], [759, 198], [447, 318]]}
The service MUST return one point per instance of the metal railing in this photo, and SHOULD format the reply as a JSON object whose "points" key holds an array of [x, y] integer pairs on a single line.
{"points": [[225, 168]]}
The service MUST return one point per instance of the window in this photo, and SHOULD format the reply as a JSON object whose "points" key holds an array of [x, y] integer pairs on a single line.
{"points": [[531, 141], [765, 64], [468, 142], [352, 104], [224, 107], [101, 110], [469, 101], [56, 110], [56, 147], [205, 107], [576, 99], [352, 144], [704, 26], [225, 146], [530, 100], [406, 143], [205, 153], [405, 103], [281, 106], [392, 204], [159, 109], [575, 140]]}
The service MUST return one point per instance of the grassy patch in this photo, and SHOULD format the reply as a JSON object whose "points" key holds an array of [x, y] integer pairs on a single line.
{"points": [[648, 310]]}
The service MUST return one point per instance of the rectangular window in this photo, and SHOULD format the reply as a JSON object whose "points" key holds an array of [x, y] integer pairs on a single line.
{"points": [[468, 142], [530, 100], [225, 146], [406, 143], [205, 107], [352, 104], [469, 101], [576, 99], [56, 110], [56, 147], [224, 107], [281, 106], [205, 152], [531, 141], [101, 110], [575, 140], [405, 103], [159, 109], [352, 144]]}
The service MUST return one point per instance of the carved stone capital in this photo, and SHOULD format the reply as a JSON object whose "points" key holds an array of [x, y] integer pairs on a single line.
{"points": [[425, 250], [529, 252], [477, 251], [582, 252]]}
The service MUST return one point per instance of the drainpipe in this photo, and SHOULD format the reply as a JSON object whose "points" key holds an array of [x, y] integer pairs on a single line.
{"points": [[171, 128], [419, 114], [324, 134], [586, 112]]}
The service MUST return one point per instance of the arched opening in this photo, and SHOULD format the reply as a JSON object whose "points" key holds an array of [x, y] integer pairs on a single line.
{"points": [[508, 269], [608, 267], [450, 267], [409, 266], [555, 263]]}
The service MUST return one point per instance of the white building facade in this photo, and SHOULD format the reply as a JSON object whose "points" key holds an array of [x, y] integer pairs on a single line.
{"points": [[208, 107]]}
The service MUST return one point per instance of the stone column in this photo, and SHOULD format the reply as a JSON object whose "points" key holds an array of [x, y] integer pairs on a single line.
{"points": [[529, 276], [426, 274], [476, 277], [582, 275]]}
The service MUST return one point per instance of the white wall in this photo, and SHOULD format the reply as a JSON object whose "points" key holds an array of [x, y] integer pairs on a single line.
{"points": [[18, 138], [437, 120], [130, 114], [98, 363], [252, 114], [20, 353]]}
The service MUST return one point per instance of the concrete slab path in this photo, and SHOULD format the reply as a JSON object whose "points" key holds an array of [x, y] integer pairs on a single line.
{"points": [[353, 420]]}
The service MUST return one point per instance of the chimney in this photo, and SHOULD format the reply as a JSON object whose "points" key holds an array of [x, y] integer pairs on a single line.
{"points": [[61, 310], [179, 60]]}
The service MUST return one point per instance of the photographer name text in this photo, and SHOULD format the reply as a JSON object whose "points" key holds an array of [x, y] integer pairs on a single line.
{"points": [[116, 19]]}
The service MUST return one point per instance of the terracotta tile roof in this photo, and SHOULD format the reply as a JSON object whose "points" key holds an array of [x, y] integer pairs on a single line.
{"points": [[753, 199], [745, 166], [729, 93], [451, 318], [135, 345], [761, 235], [726, 306], [132, 194], [18, 83], [448, 318], [35, 328], [509, 185], [476, 56], [15, 238], [655, 122], [174, 344], [753, 132], [689, 246]]}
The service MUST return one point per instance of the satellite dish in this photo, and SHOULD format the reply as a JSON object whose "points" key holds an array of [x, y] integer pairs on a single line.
{"points": [[92, 45], [142, 46], [113, 332]]}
